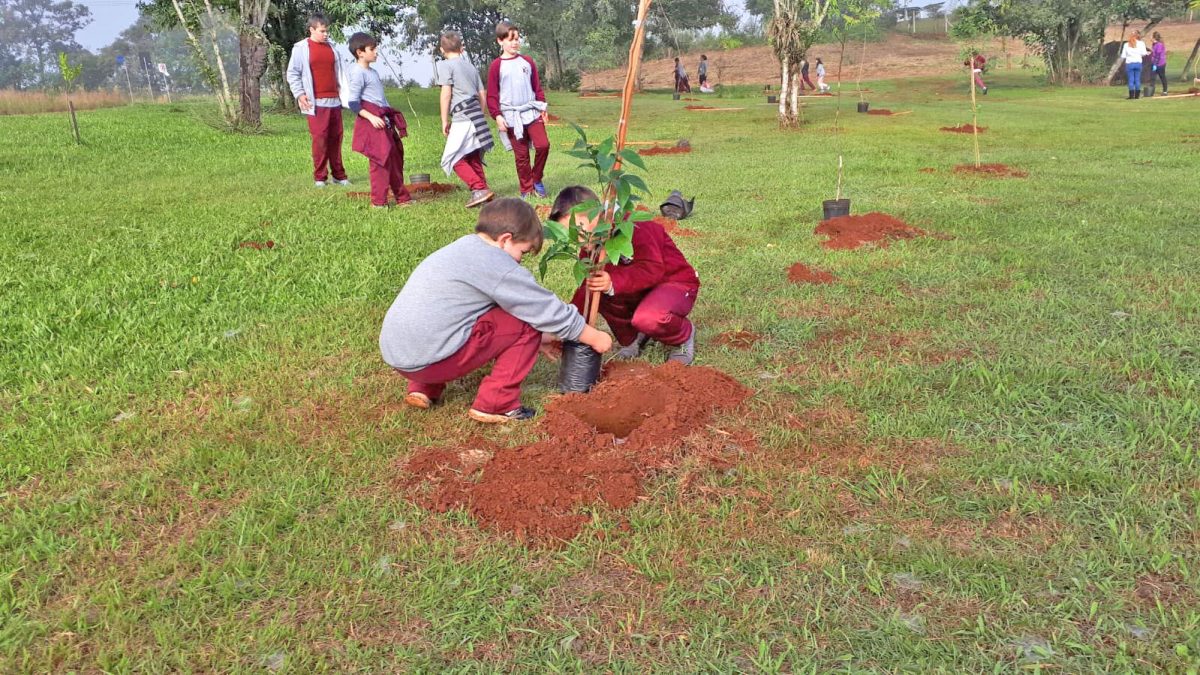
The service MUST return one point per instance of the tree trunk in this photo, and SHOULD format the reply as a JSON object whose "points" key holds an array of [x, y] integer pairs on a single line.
{"points": [[785, 80], [252, 56], [558, 62], [1191, 60]]}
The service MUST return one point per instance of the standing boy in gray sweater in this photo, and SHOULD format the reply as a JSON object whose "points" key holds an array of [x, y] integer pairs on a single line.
{"points": [[471, 303]]}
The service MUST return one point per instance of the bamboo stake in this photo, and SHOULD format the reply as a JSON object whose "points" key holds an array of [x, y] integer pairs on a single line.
{"points": [[974, 110], [592, 303], [74, 122]]}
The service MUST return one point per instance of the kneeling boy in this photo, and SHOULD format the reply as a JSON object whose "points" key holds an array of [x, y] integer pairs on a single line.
{"points": [[647, 297], [470, 303]]}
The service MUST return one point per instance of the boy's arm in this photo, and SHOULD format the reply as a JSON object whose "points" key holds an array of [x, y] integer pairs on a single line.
{"points": [[536, 81], [519, 294], [493, 90], [447, 92], [295, 71]]}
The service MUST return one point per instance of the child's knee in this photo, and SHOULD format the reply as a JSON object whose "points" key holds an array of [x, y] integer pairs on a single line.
{"points": [[649, 323]]}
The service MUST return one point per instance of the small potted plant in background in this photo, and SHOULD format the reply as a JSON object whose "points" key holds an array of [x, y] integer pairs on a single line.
{"points": [[616, 215]]}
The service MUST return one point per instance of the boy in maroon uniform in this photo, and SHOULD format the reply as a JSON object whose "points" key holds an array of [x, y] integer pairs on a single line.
{"points": [[644, 298], [315, 75], [516, 101], [378, 127]]}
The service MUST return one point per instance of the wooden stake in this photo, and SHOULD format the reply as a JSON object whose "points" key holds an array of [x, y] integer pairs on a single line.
{"points": [[74, 122], [974, 110]]}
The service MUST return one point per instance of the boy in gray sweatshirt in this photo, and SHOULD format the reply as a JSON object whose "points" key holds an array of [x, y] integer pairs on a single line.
{"points": [[470, 303]]}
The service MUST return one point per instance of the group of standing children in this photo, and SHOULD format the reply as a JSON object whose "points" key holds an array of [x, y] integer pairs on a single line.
{"points": [[323, 85]]}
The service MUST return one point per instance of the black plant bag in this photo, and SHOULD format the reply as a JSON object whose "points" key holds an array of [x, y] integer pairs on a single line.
{"points": [[579, 369]]}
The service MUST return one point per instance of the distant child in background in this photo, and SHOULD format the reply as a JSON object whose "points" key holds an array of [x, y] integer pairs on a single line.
{"points": [[821, 77], [703, 72], [471, 303], [681, 78], [463, 123], [644, 298], [378, 127], [977, 63], [804, 76], [1158, 62], [1132, 53], [516, 101], [316, 76]]}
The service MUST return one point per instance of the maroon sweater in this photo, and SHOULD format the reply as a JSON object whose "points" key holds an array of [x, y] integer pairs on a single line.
{"points": [[656, 260], [377, 144], [493, 85]]}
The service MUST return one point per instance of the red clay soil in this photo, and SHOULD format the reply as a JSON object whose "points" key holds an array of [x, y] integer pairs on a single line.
{"points": [[964, 129], [880, 111], [850, 232], [928, 169], [257, 245], [596, 448], [740, 339], [672, 227], [435, 188], [553, 118], [991, 170], [1193, 90], [698, 107], [800, 273], [665, 150]]}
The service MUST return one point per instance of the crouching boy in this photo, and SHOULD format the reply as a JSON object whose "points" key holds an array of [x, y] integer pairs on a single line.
{"points": [[471, 303], [644, 298]]}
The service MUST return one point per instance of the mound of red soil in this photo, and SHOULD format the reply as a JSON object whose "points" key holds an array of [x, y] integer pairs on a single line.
{"points": [[964, 129], [1193, 90], [598, 94], [880, 111], [928, 169], [435, 188], [665, 150], [800, 273], [672, 227], [850, 232], [698, 107], [689, 99], [992, 170], [257, 245], [597, 448], [741, 339]]}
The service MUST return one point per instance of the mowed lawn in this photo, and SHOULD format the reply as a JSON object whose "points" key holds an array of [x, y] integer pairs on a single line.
{"points": [[973, 451]]}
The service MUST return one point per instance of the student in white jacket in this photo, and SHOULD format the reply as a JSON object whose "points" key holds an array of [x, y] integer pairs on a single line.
{"points": [[316, 76], [1132, 52]]}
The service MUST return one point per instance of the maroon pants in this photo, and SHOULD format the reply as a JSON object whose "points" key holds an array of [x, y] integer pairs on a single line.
{"points": [[659, 314], [499, 336], [807, 81], [535, 135], [470, 171], [326, 130], [389, 175]]}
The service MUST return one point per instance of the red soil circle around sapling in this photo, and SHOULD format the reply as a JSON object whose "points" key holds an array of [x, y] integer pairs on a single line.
{"points": [[964, 129], [698, 107], [739, 339], [880, 111], [800, 273], [435, 188], [595, 449], [665, 150], [851, 232], [672, 227], [991, 170], [928, 169]]}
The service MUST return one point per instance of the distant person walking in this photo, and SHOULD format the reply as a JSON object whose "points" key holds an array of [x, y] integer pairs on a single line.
{"points": [[977, 64], [1132, 52], [1158, 62], [821, 77], [804, 76], [703, 70], [681, 78], [316, 76]]}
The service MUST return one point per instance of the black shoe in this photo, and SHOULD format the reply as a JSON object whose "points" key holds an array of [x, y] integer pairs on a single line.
{"points": [[1137, 94], [516, 415]]}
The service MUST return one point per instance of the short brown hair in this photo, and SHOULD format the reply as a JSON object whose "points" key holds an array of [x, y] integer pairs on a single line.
{"points": [[568, 198], [451, 41], [512, 216], [506, 28], [317, 19], [359, 42]]}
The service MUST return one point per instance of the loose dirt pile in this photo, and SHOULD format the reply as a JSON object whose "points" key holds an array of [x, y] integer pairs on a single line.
{"points": [[672, 227], [800, 273], [880, 111], [740, 339], [991, 170], [850, 232], [666, 150], [698, 107], [928, 169], [597, 448], [965, 129], [257, 245], [433, 188]]}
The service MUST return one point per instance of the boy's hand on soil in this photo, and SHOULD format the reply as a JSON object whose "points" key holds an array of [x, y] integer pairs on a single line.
{"points": [[596, 339], [600, 282]]}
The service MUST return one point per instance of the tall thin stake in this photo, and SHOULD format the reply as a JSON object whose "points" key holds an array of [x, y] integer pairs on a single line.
{"points": [[974, 111]]}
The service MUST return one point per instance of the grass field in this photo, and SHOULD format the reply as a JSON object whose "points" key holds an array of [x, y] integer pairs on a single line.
{"points": [[973, 452]]}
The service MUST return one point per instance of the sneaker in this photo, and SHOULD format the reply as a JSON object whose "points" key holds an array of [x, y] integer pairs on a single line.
{"points": [[985, 91], [479, 197], [540, 190], [686, 352], [381, 206], [343, 181], [633, 349], [416, 399], [519, 414], [319, 183], [528, 196]]}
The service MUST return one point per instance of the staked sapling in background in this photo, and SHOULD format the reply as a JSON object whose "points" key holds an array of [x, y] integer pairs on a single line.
{"points": [[69, 73]]}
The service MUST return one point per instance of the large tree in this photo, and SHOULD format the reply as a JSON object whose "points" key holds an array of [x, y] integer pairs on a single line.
{"points": [[32, 33]]}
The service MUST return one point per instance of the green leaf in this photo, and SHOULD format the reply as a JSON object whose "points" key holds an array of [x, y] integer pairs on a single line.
{"points": [[554, 231], [580, 271], [623, 193], [630, 155], [605, 162], [605, 149], [636, 181], [581, 154], [620, 244], [579, 130], [641, 216]]}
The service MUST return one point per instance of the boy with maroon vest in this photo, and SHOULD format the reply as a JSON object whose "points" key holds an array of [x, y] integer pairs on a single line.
{"points": [[315, 76], [516, 101], [646, 297]]}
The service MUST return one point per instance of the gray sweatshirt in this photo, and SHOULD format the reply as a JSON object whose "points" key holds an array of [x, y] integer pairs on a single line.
{"points": [[434, 313]]}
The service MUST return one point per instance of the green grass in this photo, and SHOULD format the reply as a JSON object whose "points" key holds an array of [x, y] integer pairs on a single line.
{"points": [[199, 440]]}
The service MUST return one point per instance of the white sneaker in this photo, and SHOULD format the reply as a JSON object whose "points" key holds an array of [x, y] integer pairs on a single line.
{"points": [[320, 183], [343, 182]]}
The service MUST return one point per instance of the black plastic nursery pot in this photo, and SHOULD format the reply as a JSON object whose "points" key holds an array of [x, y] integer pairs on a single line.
{"points": [[772, 99], [832, 208], [418, 178], [675, 96], [1147, 91], [579, 369], [863, 106]]}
